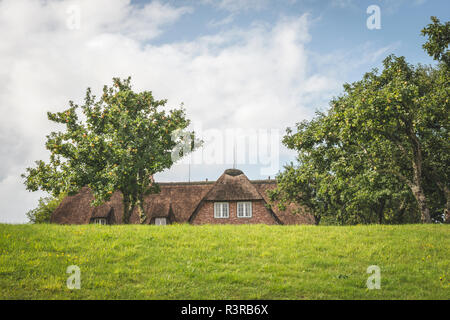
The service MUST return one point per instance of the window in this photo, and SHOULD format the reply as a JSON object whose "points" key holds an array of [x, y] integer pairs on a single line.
{"points": [[221, 210], [160, 221], [99, 221], [244, 209]]}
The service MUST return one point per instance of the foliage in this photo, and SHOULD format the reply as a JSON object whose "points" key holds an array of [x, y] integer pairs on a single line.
{"points": [[437, 47], [118, 142], [335, 184], [224, 262], [439, 38], [42, 213], [381, 152]]}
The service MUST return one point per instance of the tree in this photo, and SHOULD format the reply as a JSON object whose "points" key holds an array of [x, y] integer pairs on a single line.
{"points": [[382, 141], [438, 40], [116, 142], [334, 183], [44, 210], [437, 47], [388, 116]]}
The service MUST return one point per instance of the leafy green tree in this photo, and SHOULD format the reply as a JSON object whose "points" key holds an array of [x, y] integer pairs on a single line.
{"points": [[334, 183], [388, 115], [116, 142], [312, 183], [43, 212], [437, 47], [382, 143], [438, 40]]}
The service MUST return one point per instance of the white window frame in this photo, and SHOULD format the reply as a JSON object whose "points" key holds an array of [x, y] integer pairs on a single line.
{"points": [[221, 210], [101, 221], [158, 221], [244, 209]]}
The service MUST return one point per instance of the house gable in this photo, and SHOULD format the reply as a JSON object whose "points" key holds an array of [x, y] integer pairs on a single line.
{"points": [[260, 214], [233, 186]]}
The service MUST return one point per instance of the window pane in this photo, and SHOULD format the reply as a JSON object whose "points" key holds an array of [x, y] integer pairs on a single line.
{"points": [[225, 210], [244, 209], [248, 207], [217, 210], [221, 210], [160, 221], [101, 221]]}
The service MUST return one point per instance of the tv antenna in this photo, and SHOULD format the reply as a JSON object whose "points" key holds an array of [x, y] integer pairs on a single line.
{"points": [[234, 154]]}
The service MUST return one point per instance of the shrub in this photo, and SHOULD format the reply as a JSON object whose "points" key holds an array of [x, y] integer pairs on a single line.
{"points": [[45, 208]]}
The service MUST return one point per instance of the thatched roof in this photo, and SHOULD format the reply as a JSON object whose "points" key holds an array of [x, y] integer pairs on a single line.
{"points": [[77, 209], [233, 185], [158, 208], [290, 215], [102, 211], [74, 209], [183, 198], [176, 201]]}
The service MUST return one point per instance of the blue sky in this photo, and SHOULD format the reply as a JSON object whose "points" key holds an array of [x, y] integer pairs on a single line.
{"points": [[252, 66], [339, 24]]}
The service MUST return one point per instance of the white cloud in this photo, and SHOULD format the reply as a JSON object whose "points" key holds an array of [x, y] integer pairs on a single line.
{"points": [[222, 22], [386, 5], [238, 5], [342, 3]]}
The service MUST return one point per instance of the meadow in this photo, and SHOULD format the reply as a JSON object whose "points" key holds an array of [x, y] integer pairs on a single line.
{"points": [[224, 262]]}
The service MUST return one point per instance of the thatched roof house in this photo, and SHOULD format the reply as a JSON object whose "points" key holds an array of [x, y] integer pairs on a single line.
{"points": [[232, 199]]}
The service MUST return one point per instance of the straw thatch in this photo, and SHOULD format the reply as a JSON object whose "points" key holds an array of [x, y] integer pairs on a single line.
{"points": [[182, 197], [233, 185], [292, 215], [74, 209], [177, 202]]}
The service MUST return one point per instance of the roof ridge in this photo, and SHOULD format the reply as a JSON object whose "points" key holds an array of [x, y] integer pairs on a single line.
{"points": [[210, 182], [186, 183]]}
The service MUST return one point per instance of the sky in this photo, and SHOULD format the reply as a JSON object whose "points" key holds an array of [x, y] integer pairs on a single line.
{"points": [[244, 70]]}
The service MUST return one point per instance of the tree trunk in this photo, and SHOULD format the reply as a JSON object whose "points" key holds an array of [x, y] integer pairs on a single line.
{"points": [[139, 198], [422, 203], [140, 208], [446, 191], [316, 219], [381, 211], [447, 205], [127, 209], [416, 186], [401, 211]]}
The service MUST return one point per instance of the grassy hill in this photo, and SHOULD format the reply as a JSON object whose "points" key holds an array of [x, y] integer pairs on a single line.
{"points": [[224, 262]]}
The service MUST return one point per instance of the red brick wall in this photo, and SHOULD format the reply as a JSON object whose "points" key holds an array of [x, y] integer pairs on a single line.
{"points": [[260, 214]]}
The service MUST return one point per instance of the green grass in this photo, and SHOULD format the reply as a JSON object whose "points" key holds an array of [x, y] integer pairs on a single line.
{"points": [[224, 262]]}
